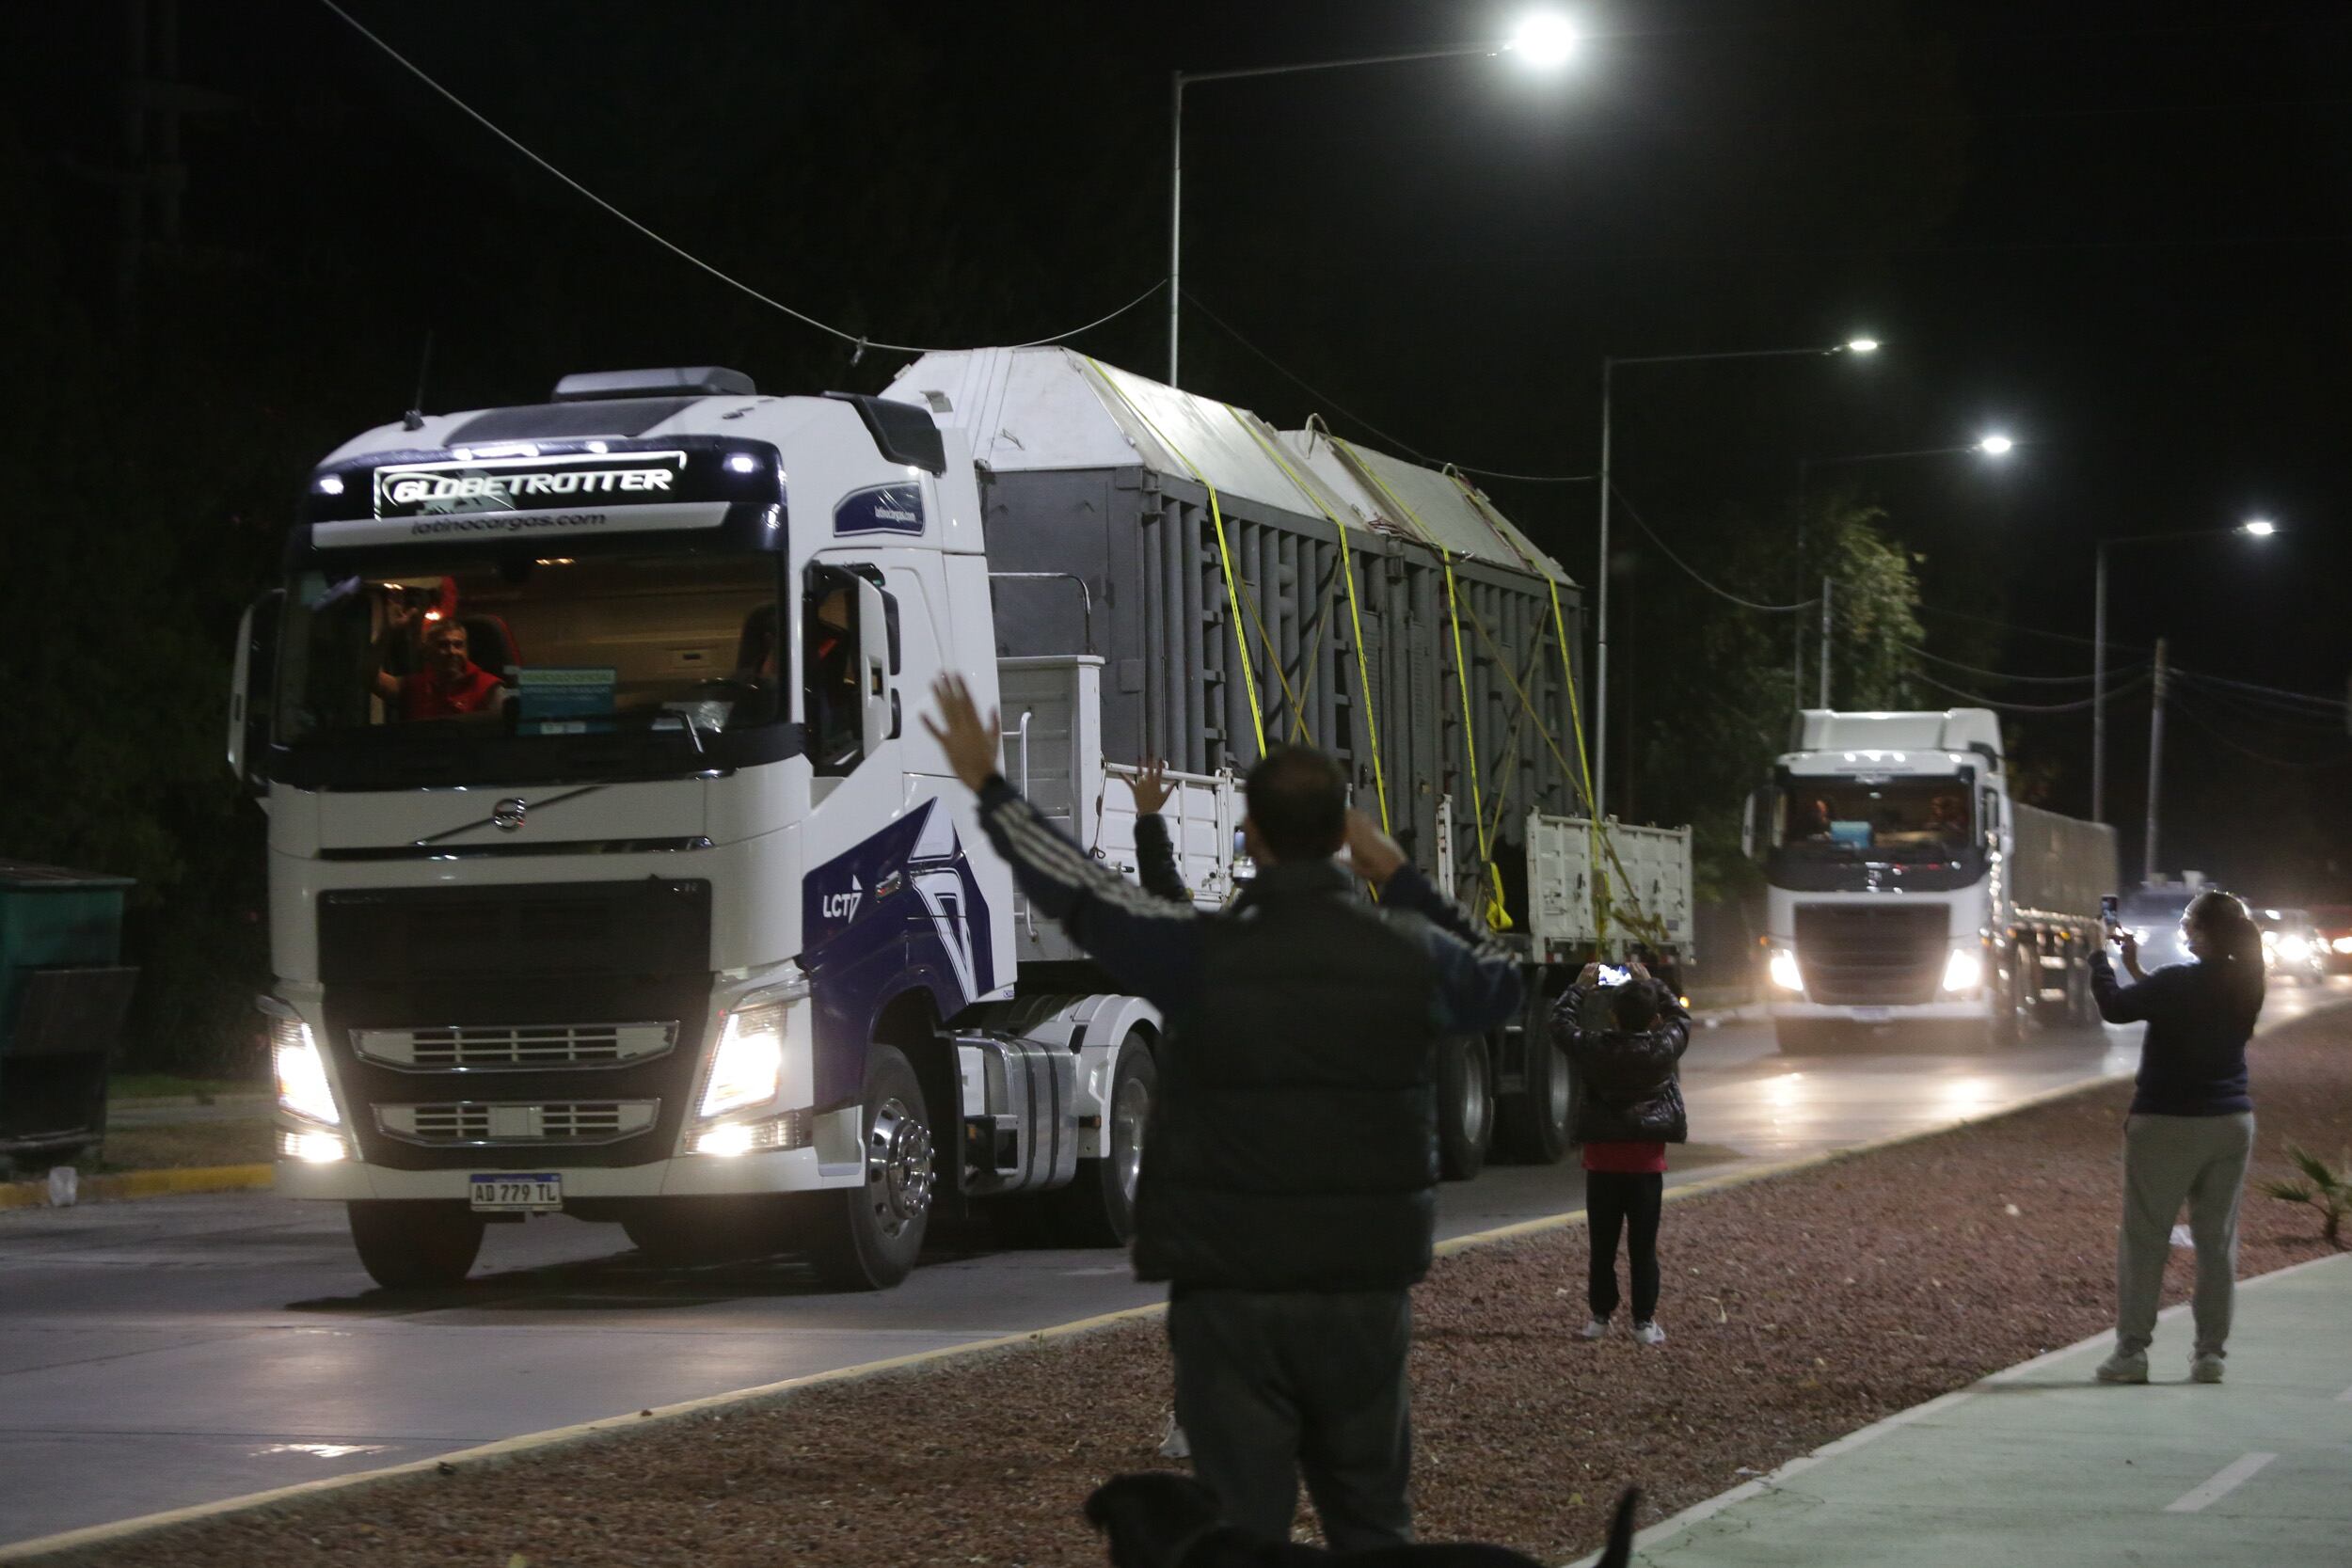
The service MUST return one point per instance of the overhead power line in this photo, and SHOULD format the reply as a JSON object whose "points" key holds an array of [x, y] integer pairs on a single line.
{"points": [[2207, 722], [2278, 694], [1397, 441], [2004, 676], [1977, 700], [859, 341], [1692, 572]]}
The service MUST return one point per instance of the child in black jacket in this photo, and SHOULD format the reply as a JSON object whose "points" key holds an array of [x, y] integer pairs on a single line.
{"points": [[1624, 1043]]}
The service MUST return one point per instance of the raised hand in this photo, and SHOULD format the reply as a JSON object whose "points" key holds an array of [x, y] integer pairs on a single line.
{"points": [[1374, 854], [1151, 786], [971, 744]]}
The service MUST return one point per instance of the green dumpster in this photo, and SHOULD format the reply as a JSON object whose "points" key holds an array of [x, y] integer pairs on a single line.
{"points": [[62, 1000]]}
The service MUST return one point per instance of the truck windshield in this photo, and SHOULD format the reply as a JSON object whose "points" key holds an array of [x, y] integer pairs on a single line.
{"points": [[1922, 823], [532, 646]]}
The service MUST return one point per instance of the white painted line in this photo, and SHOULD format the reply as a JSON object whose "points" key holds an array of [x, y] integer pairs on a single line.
{"points": [[2234, 1475]]}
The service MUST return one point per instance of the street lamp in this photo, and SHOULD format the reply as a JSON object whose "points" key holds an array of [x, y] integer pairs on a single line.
{"points": [[1992, 445], [2255, 528], [1600, 610], [1543, 39]]}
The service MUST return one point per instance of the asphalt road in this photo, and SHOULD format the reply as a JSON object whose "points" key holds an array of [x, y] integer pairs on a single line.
{"points": [[159, 1353]]}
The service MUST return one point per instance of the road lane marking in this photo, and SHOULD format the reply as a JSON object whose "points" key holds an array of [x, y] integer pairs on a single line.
{"points": [[2234, 1475]]}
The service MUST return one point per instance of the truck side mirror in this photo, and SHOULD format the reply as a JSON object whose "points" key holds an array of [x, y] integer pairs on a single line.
{"points": [[252, 685], [1758, 805], [877, 621], [1989, 812]]}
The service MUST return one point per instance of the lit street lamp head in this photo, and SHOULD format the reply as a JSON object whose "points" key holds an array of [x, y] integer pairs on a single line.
{"points": [[1995, 446], [2261, 527], [1544, 40], [1862, 345]]}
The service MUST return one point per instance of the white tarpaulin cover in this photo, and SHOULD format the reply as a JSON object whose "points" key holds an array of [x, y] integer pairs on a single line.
{"points": [[1051, 408]]}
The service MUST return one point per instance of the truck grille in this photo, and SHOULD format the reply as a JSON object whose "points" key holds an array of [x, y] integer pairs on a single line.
{"points": [[1868, 955], [475, 1048], [484, 1122]]}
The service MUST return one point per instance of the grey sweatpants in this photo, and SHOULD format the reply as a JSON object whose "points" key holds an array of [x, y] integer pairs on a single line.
{"points": [[2167, 1161]]}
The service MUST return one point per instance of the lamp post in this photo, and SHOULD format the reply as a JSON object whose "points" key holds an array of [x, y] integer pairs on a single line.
{"points": [[1543, 40], [1993, 444], [2253, 527], [1600, 610]]}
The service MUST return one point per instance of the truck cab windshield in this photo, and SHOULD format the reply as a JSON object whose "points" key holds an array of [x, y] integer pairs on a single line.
{"points": [[1827, 832], [533, 646]]}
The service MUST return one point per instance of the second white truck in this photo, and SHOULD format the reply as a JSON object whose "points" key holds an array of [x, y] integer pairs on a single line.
{"points": [[1905, 885]]}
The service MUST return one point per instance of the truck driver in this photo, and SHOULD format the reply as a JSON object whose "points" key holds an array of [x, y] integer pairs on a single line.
{"points": [[451, 685]]}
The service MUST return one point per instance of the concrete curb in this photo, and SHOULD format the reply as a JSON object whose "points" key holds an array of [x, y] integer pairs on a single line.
{"points": [[143, 1184], [70, 1544]]}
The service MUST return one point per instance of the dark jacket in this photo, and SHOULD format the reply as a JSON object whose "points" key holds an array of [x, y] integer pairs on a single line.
{"points": [[1294, 1144], [1629, 1086], [1156, 859], [2193, 1061]]}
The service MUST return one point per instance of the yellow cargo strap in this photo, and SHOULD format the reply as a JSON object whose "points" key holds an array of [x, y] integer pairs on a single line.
{"points": [[1601, 846], [1355, 616], [1497, 917], [1224, 556]]}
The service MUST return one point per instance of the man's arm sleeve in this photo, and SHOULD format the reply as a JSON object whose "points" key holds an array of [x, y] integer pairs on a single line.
{"points": [[2119, 1003], [1155, 859], [1149, 944], [1478, 981]]}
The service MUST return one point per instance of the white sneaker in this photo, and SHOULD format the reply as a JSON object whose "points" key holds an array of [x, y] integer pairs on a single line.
{"points": [[2123, 1367], [1649, 1333], [2204, 1369], [1593, 1328]]}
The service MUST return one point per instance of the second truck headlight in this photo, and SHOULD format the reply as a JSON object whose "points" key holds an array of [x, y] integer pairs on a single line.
{"points": [[1963, 969], [1782, 969], [747, 1069], [302, 1088]]}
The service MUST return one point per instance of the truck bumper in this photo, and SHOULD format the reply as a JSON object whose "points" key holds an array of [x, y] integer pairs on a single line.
{"points": [[1960, 1010], [790, 1170]]}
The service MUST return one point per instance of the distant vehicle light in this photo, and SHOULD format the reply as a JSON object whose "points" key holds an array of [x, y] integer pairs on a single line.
{"points": [[2342, 944], [2294, 950]]}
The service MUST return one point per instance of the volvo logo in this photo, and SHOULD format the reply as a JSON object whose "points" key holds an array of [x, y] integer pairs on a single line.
{"points": [[507, 815]]}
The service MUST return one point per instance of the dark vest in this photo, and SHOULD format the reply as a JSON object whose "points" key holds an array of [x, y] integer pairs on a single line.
{"points": [[1294, 1147]]}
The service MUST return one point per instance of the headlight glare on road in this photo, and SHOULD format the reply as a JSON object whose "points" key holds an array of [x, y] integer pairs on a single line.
{"points": [[748, 1067], [1963, 969], [302, 1088], [1782, 969]]}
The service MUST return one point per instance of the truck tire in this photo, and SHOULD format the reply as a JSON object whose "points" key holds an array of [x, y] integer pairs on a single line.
{"points": [[1536, 1125], [1098, 1207], [1465, 1106], [409, 1245], [868, 1237]]}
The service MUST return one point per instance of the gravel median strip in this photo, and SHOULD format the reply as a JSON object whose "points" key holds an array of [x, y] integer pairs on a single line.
{"points": [[1800, 1307]]}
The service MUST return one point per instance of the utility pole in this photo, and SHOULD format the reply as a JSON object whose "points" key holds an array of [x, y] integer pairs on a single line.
{"points": [[1600, 622], [1824, 703], [2099, 691], [2156, 766]]}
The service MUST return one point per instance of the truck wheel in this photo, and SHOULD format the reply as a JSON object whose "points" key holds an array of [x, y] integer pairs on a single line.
{"points": [[1098, 1207], [870, 1235], [1465, 1106], [406, 1244], [1535, 1125]]}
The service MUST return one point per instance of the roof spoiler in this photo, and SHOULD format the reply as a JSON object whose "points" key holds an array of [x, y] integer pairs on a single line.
{"points": [[668, 381], [902, 432]]}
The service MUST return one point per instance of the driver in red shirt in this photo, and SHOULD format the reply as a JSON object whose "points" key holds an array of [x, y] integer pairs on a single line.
{"points": [[451, 685]]}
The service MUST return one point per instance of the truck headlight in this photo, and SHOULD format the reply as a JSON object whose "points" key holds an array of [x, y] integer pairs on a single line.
{"points": [[1963, 969], [747, 1069], [302, 1088], [1782, 969], [2294, 949]]}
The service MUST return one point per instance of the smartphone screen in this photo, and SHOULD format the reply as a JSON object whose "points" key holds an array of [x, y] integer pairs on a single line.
{"points": [[2108, 905], [1613, 976]]}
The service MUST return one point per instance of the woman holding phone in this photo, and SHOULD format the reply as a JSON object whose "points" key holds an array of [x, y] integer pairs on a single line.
{"points": [[2191, 1129]]}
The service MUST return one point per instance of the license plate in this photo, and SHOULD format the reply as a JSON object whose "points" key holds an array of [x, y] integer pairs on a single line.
{"points": [[508, 1193], [1861, 1015]]}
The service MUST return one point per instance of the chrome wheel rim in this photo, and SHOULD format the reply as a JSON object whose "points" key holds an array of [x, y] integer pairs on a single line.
{"points": [[1559, 1096], [898, 1174], [1473, 1098], [1131, 1108]]}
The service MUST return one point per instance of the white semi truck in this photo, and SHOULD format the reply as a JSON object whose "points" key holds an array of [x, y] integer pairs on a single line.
{"points": [[1905, 884], [669, 913]]}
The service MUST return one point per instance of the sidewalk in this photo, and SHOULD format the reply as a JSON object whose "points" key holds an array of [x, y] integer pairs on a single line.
{"points": [[2041, 1464]]}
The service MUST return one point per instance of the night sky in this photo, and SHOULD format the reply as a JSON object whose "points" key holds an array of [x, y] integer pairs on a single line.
{"points": [[2117, 233]]}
